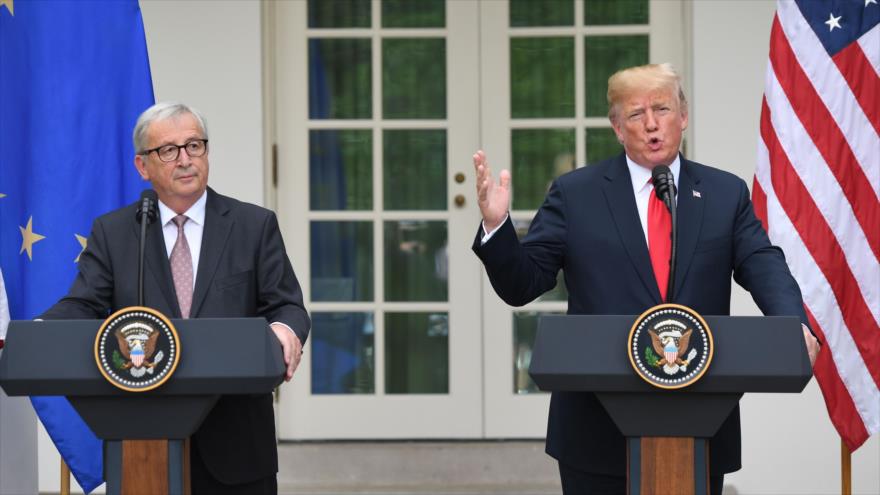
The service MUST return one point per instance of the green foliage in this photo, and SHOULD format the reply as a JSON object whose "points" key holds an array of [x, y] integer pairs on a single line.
{"points": [[542, 77], [413, 14], [524, 13], [118, 362], [651, 358]]}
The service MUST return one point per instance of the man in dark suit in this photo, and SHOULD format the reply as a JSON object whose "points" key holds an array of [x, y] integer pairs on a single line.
{"points": [[207, 256], [597, 224]]}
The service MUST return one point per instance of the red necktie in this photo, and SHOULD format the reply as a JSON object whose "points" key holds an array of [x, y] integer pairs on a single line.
{"points": [[659, 241]]}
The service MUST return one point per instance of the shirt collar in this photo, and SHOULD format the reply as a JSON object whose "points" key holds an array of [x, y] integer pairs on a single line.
{"points": [[195, 213], [641, 175]]}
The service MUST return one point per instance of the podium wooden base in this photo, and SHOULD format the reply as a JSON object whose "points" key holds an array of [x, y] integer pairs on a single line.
{"points": [[148, 467], [667, 465]]}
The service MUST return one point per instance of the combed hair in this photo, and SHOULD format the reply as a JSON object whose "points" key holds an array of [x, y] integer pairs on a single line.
{"points": [[163, 111], [643, 78]]}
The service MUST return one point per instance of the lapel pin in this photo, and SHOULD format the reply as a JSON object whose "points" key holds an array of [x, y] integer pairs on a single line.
{"points": [[697, 194]]}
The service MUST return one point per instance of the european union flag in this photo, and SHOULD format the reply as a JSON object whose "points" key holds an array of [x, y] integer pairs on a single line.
{"points": [[74, 76]]}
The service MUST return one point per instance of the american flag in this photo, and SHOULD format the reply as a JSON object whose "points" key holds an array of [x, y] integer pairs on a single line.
{"points": [[816, 190]]}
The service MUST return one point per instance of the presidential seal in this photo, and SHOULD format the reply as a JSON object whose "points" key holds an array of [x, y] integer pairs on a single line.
{"points": [[670, 346], [137, 349]]}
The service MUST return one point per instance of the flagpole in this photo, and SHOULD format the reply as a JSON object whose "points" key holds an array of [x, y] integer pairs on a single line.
{"points": [[65, 478], [845, 469]]}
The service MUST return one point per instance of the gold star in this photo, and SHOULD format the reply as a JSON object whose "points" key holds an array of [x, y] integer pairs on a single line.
{"points": [[82, 242], [29, 238], [8, 4]]}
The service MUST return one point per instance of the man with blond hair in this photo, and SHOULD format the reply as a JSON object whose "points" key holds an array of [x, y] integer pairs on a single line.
{"points": [[603, 226]]}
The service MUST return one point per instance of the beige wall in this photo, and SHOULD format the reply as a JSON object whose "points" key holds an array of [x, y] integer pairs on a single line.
{"points": [[207, 53]]}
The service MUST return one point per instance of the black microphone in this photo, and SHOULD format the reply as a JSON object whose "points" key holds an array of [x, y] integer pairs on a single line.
{"points": [[664, 185], [147, 207], [146, 214], [664, 188]]}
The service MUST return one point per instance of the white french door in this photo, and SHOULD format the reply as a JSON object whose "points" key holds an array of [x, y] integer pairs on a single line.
{"points": [[379, 106]]}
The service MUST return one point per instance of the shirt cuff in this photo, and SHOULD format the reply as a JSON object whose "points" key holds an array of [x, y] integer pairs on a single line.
{"points": [[488, 235], [285, 326]]}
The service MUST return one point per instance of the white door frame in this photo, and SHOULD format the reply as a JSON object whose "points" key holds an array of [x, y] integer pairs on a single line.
{"points": [[454, 415]]}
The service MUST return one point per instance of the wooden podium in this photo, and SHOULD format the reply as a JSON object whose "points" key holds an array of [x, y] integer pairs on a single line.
{"points": [[752, 354], [145, 433]]}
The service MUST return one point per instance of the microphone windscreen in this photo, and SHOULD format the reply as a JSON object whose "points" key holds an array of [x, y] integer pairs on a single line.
{"points": [[660, 172], [149, 194], [147, 205]]}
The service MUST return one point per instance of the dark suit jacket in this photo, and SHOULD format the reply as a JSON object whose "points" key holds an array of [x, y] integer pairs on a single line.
{"points": [[243, 271], [589, 227]]}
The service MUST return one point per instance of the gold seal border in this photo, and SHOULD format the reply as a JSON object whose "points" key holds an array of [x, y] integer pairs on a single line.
{"points": [[629, 344], [131, 309]]}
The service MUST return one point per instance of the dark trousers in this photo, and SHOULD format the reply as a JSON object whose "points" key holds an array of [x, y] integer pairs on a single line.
{"points": [[577, 482], [205, 484]]}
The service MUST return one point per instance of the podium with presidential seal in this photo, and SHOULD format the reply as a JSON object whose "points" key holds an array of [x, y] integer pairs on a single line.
{"points": [[143, 383], [693, 368]]}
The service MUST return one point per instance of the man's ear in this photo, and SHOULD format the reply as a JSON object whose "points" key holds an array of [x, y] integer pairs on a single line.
{"points": [[141, 165], [616, 126]]}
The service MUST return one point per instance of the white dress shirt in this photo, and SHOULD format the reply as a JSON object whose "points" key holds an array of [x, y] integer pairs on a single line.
{"points": [[192, 229], [643, 190]]}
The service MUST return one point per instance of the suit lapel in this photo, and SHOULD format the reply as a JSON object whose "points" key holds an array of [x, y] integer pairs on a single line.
{"points": [[618, 192], [690, 220], [217, 227], [156, 263]]}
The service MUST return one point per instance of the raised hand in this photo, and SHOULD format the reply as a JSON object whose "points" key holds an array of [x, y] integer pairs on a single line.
{"points": [[493, 197]]}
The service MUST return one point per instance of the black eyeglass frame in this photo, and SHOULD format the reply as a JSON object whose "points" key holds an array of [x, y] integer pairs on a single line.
{"points": [[177, 154]]}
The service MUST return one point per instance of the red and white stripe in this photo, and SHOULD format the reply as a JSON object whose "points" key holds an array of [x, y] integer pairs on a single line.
{"points": [[817, 191]]}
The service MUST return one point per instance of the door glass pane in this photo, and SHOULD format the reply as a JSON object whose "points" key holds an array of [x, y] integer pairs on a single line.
{"points": [[339, 13], [557, 293], [525, 329], [413, 14], [416, 261], [342, 261], [524, 13], [603, 56], [416, 353], [414, 78], [539, 156], [340, 73], [342, 353], [603, 12], [341, 169], [414, 169], [601, 144], [541, 77]]}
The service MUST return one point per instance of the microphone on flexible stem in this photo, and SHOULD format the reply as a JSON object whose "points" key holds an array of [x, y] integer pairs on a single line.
{"points": [[664, 188], [146, 213]]}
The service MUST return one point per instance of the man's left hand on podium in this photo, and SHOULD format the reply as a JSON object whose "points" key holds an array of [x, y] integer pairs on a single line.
{"points": [[290, 346], [812, 344]]}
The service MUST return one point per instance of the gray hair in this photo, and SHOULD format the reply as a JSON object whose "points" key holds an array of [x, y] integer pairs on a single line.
{"points": [[163, 111]]}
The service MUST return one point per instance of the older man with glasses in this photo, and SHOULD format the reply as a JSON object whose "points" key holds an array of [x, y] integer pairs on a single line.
{"points": [[209, 256]]}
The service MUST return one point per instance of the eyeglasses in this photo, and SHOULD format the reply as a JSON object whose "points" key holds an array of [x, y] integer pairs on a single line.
{"points": [[169, 152]]}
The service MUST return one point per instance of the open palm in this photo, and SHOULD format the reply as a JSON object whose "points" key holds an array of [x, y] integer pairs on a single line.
{"points": [[493, 197]]}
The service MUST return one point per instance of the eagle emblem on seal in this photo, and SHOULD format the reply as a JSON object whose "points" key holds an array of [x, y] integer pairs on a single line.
{"points": [[670, 340], [137, 346]]}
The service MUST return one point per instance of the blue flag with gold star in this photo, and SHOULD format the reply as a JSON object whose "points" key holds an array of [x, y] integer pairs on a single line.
{"points": [[74, 76]]}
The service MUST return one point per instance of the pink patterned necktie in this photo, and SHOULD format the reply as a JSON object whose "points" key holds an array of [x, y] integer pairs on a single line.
{"points": [[182, 268]]}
